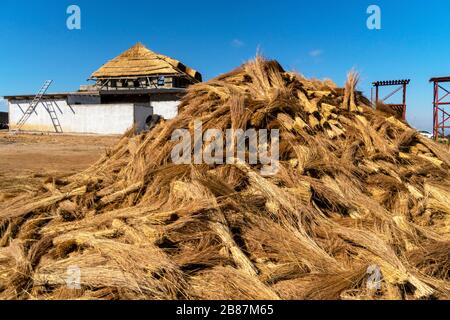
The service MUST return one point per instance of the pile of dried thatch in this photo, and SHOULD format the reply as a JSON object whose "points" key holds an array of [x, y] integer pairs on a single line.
{"points": [[355, 189]]}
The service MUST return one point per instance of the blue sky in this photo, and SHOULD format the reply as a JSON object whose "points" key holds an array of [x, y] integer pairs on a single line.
{"points": [[322, 39]]}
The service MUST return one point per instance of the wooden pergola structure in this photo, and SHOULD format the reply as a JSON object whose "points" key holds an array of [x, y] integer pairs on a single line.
{"points": [[401, 86]]}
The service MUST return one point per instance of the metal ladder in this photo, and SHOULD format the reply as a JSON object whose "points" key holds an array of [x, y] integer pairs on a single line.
{"points": [[53, 115], [33, 105]]}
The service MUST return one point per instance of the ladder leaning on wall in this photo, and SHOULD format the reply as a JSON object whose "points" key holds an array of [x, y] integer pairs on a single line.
{"points": [[53, 115], [48, 106]]}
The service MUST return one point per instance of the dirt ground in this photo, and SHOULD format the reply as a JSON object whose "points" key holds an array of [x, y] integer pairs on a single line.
{"points": [[26, 160]]}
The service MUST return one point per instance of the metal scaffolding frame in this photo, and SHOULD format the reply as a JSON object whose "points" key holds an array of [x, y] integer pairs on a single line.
{"points": [[441, 117]]}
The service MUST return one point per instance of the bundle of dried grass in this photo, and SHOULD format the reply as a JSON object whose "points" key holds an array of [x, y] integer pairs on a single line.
{"points": [[356, 188]]}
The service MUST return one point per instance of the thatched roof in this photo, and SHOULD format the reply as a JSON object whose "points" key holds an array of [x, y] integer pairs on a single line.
{"points": [[140, 61]]}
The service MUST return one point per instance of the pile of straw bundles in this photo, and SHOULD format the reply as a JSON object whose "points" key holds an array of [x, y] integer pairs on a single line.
{"points": [[356, 191]]}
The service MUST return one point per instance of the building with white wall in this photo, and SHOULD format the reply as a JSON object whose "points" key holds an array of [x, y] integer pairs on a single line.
{"points": [[129, 90]]}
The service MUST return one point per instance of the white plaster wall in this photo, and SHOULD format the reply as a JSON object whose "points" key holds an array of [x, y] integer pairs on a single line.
{"points": [[91, 118], [166, 109], [141, 113]]}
